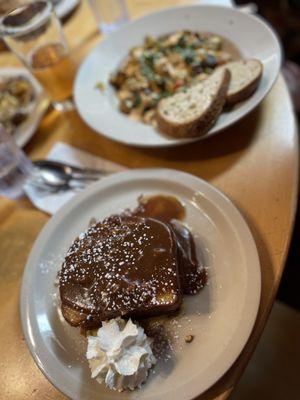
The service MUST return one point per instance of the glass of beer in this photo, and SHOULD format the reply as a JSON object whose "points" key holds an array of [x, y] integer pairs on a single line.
{"points": [[34, 33]]}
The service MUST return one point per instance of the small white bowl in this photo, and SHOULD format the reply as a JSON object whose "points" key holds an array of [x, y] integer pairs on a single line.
{"points": [[250, 34], [24, 132]]}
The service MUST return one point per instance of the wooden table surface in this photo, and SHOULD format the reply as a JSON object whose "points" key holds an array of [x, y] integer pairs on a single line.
{"points": [[255, 163]]}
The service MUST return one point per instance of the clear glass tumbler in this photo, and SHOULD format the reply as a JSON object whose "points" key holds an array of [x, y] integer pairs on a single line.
{"points": [[34, 33], [109, 14], [15, 167]]}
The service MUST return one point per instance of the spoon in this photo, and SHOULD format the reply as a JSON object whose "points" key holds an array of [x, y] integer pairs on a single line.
{"points": [[57, 174]]}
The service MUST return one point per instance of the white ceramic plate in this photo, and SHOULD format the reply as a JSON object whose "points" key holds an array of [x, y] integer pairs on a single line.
{"points": [[26, 129], [221, 316], [64, 7], [251, 35]]}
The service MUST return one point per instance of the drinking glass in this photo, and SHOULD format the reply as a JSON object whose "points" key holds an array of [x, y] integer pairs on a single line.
{"points": [[15, 167], [109, 14], [8, 5], [34, 33]]}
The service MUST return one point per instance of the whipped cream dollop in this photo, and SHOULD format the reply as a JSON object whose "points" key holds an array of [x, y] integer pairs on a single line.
{"points": [[120, 354]]}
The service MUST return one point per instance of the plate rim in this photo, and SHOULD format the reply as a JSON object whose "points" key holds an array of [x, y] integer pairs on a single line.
{"points": [[180, 142], [115, 179]]}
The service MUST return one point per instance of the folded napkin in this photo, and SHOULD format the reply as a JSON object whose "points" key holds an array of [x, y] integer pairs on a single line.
{"points": [[51, 202]]}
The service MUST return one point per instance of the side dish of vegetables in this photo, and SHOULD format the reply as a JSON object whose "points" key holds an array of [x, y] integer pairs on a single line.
{"points": [[162, 66], [16, 96]]}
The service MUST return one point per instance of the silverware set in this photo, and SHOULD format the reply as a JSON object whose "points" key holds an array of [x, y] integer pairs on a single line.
{"points": [[53, 176]]}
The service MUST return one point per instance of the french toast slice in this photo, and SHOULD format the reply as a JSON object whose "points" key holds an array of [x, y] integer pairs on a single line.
{"points": [[124, 266], [192, 274]]}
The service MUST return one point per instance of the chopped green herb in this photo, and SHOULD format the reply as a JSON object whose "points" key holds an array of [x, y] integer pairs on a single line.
{"points": [[182, 41], [184, 89], [147, 71], [137, 101], [148, 59], [188, 54], [100, 86]]}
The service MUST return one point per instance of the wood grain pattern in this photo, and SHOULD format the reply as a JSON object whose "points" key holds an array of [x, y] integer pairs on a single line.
{"points": [[255, 163]]}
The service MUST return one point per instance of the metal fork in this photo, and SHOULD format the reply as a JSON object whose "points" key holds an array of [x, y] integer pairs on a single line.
{"points": [[54, 177]]}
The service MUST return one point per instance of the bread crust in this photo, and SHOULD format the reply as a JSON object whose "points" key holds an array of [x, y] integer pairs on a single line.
{"points": [[201, 124], [247, 91], [78, 318]]}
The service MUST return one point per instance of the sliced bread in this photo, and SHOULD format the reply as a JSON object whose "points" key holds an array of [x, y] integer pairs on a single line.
{"points": [[192, 113], [245, 77]]}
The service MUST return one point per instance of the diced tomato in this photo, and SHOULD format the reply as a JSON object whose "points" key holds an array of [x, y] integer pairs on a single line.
{"points": [[178, 83]]}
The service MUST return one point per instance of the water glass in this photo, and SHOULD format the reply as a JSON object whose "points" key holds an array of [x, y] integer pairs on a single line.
{"points": [[15, 167], [109, 14], [34, 33]]}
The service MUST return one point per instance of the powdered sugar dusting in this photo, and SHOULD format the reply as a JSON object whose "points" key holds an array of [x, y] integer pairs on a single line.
{"points": [[121, 264]]}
